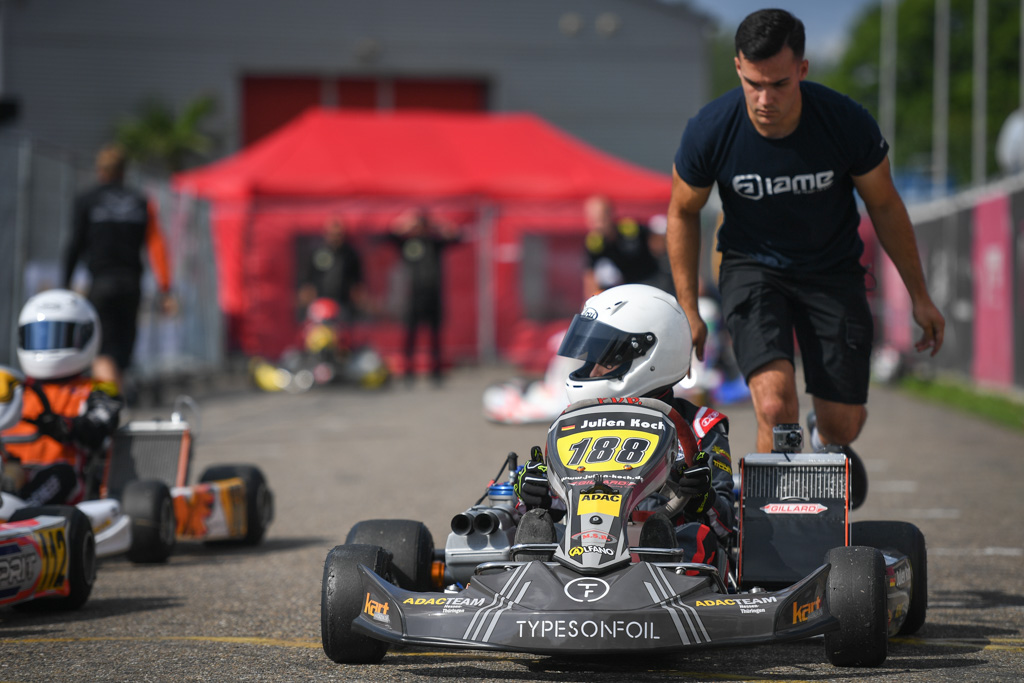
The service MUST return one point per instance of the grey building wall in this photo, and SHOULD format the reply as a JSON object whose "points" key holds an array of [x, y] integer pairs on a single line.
{"points": [[79, 66]]}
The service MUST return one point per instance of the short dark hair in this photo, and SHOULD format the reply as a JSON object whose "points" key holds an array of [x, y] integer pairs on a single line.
{"points": [[764, 33]]}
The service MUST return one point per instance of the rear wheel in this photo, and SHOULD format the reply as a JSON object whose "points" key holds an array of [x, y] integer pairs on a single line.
{"points": [[342, 598], [410, 544], [81, 549], [259, 500], [906, 539], [149, 506], [856, 597]]}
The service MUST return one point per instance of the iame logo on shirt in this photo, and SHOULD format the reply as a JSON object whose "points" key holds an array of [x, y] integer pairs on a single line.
{"points": [[753, 186]]}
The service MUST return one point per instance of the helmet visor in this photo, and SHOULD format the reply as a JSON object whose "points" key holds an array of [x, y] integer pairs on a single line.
{"points": [[595, 342], [50, 335]]}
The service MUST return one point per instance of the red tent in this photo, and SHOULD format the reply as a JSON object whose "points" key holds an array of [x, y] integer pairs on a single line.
{"points": [[502, 176]]}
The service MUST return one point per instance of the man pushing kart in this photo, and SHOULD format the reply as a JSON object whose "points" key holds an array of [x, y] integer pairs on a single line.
{"points": [[634, 341], [66, 415]]}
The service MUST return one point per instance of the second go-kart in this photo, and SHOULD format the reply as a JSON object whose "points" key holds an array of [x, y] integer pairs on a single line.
{"points": [[138, 500], [791, 572]]}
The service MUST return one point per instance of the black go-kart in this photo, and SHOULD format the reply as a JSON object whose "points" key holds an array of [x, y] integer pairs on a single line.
{"points": [[796, 568]]}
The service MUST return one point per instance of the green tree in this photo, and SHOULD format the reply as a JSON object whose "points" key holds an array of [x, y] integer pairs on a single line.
{"points": [[164, 141], [856, 74]]}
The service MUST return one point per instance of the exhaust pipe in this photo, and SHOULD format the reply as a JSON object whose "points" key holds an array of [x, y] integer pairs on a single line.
{"points": [[462, 523]]}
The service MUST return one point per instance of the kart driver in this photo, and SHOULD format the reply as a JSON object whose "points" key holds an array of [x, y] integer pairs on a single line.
{"points": [[66, 416], [605, 337]]}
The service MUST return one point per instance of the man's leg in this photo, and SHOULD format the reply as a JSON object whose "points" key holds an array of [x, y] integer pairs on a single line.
{"points": [[773, 392], [838, 423]]}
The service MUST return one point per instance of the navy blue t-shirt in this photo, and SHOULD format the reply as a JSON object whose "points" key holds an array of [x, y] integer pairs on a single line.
{"points": [[788, 202]]}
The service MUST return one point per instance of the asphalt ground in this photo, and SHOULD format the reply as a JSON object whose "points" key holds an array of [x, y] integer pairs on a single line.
{"points": [[336, 457]]}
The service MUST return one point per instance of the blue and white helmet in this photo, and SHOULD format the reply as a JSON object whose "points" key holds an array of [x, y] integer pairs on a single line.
{"points": [[638, 330], [58, 335]]}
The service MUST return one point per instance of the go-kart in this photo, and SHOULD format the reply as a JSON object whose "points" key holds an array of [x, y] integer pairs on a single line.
{"points": [[790, 573], [138, 502], [47, 558]]}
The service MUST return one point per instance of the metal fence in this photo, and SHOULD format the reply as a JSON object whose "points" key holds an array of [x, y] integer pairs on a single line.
{"points": [[38, 184]]}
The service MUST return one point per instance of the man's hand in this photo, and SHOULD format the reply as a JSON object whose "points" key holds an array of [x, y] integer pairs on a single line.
{"points": [[57, 427], [695, 483], [699, 333], [934, 325], [531, 483]]}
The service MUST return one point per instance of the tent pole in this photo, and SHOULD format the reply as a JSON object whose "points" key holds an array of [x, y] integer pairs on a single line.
{"points": [[486, 333]]}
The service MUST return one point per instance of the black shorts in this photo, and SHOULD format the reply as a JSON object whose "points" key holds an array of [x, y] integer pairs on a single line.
{"points": [[827, 311]]}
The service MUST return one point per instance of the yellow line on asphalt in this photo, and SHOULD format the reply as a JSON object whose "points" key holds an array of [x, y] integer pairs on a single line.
{"points": [[1004, 644]]}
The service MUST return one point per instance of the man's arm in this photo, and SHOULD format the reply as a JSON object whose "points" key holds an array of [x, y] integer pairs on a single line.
{"points": [[896, 235], [683, 243]]}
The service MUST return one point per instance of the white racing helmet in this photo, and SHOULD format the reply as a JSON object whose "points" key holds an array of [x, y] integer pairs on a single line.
{"points": [[638, 330], [58, 335]]}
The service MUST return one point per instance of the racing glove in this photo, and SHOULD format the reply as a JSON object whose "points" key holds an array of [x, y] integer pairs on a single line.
{"points": [[531, 482], [695, 482], [57, 427]]}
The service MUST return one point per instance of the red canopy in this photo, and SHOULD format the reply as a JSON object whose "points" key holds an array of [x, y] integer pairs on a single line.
{"points": [[505, 174], [331, 153]]}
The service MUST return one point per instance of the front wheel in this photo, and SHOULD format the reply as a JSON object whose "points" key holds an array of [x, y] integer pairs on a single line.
{"points": [[856, 597], [81, 549], [149, 506], [259, 500], [410, 544], [341, 600]]}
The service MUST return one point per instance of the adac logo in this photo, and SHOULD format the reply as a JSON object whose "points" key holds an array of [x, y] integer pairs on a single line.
{"points": [[589, 313]]}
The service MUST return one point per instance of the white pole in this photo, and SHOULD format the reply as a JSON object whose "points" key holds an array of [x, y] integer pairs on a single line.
{"points": [[980, 108], [940, 100]]}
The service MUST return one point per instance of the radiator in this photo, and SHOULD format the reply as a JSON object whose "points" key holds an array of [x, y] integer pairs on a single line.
{"points": [[157, 449], [793, 509]]}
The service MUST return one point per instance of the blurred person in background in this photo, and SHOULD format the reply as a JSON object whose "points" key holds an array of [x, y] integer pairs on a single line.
{"points": [[618, 251], [787, 156], [112, 223], [421, 245], [335, 271]]}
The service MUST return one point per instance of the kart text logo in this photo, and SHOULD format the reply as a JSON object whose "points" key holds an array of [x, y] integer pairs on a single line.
{"points": [[753, 186], [378, 611], [586, 589], [562, 628], [793, 508], [802, 613]]}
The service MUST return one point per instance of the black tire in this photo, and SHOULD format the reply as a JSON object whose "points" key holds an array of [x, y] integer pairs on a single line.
{"points": [[410, 544], [855, 596], [81, 550], [905, 539], [259, 500], [149, 506], [341, 599]]}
